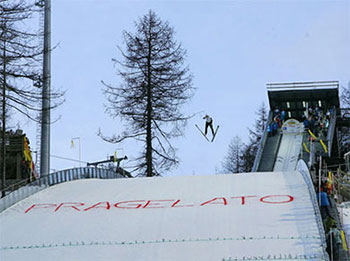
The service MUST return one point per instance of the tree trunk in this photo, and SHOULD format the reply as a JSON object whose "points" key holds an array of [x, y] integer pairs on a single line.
{"points": [[149, 170], [149, 136]]}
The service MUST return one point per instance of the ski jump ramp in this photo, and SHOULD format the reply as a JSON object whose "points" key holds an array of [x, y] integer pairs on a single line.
{"points": [[291, 144], [253, 216]]}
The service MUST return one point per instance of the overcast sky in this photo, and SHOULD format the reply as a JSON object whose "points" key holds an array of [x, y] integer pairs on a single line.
{"points": [[233, 49]]}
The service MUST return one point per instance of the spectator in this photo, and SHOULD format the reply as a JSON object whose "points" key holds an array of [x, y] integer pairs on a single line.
{"points": [[334, 242], [316, 124], [312, 125], [326, 123], [328, 186], [328, 224], [322, 125], [318, 112], [306, 123], [322, 199], [274, 128], [277, 119], [283, 116], [311, 111], [269, 130]]}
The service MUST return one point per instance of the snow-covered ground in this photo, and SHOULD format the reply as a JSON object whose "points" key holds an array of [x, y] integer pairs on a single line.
{"points": [[344, 211], [261, 216]]}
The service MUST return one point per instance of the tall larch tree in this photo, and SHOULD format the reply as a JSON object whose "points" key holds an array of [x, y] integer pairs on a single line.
{"points": [[155, 84]]}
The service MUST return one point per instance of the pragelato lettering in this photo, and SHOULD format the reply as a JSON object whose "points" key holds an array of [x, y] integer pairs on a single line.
{"points": [[162, 203]]}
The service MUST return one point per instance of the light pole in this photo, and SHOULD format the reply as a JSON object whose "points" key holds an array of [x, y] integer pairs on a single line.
{"points": [[45, 124], [72, 141]]}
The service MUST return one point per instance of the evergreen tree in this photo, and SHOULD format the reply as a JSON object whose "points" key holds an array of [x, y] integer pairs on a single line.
{"points": [[155, 86], [240, 156], [233, 160], [255, 135], [248, 157]]}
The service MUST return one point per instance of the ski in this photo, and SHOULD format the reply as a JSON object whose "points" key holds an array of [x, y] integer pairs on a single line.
{"points": [[216, 130], [202, 133]]}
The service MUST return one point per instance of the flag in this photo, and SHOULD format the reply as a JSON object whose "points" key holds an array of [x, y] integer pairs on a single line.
{"points": [[344, 241], [330, 181], [26, 152]]}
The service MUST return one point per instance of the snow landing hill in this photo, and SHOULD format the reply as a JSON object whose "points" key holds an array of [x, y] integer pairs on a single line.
{"points": [[254, 216]]}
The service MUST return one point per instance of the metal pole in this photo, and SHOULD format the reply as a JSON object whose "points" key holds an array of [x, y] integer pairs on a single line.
{"points": [[337, 189], [331, 243], [45, 124], [319, 181], [3, 131], [79, 154]]}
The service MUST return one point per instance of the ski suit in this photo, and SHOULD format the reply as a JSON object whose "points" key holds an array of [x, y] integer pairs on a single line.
{"points": [[208, 123]]}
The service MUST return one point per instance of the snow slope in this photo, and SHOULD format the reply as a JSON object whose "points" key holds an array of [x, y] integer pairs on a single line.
{"points": [[289, 149], [220, 217], [288, 153]]}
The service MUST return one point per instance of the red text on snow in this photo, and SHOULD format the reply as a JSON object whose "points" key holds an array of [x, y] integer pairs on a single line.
{"points": [[162, 203]]}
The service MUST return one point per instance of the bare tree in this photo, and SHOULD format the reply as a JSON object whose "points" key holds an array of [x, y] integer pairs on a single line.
{"points": [[233, 160], [156, 84], [344, 131], [20, 70], [345, 96]]}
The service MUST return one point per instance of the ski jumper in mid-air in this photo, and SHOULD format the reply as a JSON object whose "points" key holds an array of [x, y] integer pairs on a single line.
{"points": [[208, 123]]}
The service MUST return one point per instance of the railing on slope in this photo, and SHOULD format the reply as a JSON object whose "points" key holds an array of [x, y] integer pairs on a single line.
{"points": [[304, 171], [14, 196], [262, 144], [331, 129]]}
